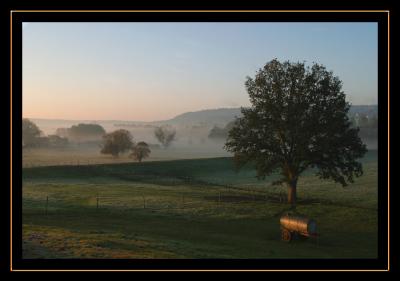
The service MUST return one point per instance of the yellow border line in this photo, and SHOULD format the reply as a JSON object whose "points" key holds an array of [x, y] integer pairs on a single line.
{"points": [[11, 141], [388, 128], [300, 270], [201, 11]]}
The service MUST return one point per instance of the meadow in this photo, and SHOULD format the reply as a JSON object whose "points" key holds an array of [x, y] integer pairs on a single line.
{"points": [[90, 154], [193, 208]]}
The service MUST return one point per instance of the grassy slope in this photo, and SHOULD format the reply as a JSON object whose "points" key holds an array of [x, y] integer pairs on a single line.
{"points": [[183, 218]]}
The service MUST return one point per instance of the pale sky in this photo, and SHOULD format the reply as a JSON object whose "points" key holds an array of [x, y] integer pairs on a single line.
{"points": [[155, 71]]}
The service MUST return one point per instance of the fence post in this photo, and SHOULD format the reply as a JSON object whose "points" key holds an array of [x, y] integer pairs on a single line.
{"points": [[47, 203], [183, 201], [97, 201], [219, 197], [144, 202]]}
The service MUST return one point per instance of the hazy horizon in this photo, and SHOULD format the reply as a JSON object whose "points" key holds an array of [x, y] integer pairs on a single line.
{"points": [[156, 71], [150, 121]]}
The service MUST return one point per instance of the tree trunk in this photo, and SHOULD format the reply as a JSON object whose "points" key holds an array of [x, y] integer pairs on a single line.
{"points": [[292, 195]]}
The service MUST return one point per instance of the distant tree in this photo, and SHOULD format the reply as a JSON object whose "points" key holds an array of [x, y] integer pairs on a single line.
{"points": [[62, 132], [57, 141], [298, 120], [217, 133], [165, 135], [220, 133], [86, 131], [116, 142], [42, 142], [30, 133], [140, 151]]}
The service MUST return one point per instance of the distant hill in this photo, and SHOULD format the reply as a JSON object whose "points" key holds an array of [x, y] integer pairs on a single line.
{"points": [[219, 116], [223, 116]]}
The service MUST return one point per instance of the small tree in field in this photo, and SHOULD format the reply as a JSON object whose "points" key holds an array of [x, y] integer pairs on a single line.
{"points": [[116, 142], [140, 151], [165, 135], [298, 120]]}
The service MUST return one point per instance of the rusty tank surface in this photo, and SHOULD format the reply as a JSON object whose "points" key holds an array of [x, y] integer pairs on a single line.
{"points": [[292, 225]]}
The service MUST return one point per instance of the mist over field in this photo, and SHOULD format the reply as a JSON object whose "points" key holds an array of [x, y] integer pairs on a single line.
{"points": [[131, 150], [192, 135]]}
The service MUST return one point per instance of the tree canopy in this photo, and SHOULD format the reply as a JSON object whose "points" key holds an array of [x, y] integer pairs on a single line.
{"points": [[165, 135], [140, 151], [220, 133], [298, 120], [57, 141], [117, 142], [30, 133], [85, 131]]}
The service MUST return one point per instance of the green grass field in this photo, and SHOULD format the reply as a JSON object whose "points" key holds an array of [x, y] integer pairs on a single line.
{"points": [[196, 208], [90, 154]]}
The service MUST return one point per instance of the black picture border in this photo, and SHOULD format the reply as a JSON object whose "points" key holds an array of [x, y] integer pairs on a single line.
{"points": [[19, 16]]}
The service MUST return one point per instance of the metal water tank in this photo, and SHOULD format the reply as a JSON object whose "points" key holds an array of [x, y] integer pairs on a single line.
{"points": [[292, 224]]}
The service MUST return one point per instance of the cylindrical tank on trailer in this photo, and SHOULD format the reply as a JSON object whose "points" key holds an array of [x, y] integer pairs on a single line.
{"points": [[299, 224]]}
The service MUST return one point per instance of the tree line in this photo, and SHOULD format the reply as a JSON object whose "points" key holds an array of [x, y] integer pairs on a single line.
{"points": [[113, 143], [121, 141]]}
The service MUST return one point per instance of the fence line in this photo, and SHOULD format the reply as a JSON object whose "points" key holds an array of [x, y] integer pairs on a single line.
{"points": [[183, 201], [52, 205]]}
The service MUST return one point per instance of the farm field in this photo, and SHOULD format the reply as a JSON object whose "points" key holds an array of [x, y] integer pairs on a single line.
{"points": [[196, 208], [90, 154]]}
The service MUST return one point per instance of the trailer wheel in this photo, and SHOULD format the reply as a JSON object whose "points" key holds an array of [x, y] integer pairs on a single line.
{"points": [[286, 235]]}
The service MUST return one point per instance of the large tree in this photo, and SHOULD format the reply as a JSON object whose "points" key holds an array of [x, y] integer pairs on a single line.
{"points": [[298, 120], [116, 142], [30, 133]]}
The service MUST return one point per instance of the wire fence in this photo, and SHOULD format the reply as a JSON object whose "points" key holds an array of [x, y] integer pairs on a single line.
{"points": [[53, 203], [35, 164], [220, 192], [226, 198]]}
